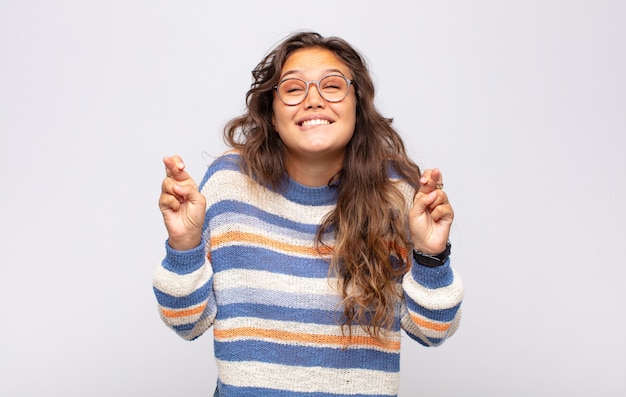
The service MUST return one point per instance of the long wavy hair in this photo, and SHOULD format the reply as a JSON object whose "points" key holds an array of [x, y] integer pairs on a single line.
{"points": [[369, 222]]}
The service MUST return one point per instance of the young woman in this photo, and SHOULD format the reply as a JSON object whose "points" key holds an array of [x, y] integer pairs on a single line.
{"points": [[311, 244]]}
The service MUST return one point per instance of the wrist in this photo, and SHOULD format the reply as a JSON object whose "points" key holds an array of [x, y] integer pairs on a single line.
{"points": [[184, 244], [432, 260]]}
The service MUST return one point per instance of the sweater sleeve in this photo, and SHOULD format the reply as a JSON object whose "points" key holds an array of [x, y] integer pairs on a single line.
{"points": [[183, 285], [432, 308]]}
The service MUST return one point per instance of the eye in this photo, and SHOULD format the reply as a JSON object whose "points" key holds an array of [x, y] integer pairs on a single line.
{"points": [[292, 87], [333, 83]]}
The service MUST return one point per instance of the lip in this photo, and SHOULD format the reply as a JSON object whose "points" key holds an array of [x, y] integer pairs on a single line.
{"points": [[314, 117]]}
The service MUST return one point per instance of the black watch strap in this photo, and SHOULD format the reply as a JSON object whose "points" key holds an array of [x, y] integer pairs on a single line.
{"points": [[432, 260]]}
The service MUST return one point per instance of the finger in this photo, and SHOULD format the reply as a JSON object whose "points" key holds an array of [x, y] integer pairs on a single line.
{"points": [[175, 168], [436, 198], [425, 202], [422, 202], [169, 202], [170, 188], [186, 191], [167, 186], [431, 179], [443, 212], [429, 202]]}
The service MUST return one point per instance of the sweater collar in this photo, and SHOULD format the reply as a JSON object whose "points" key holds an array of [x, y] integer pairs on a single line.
{"points": [[306, 195]]}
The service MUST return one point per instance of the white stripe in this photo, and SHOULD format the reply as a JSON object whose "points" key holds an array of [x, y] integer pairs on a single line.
{"points": [[180, 285], [434, 299], [307, 379], [238, 278], [240, 188]]}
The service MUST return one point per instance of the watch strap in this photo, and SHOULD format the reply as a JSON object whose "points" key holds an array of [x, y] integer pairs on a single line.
{"points": [[432, 260]]}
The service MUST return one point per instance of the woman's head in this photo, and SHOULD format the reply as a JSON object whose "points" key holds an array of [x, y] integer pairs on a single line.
{"points": [[314, 114], [260, 129]]}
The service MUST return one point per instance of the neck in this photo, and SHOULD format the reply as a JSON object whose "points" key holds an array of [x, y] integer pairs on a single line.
{"points": [[313, 173]]}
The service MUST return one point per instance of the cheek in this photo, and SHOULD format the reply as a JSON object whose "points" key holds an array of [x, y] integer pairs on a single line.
{"points": [[280, 116], [352, 114]]}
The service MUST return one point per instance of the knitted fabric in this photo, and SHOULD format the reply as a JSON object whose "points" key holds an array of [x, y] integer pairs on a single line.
{"points": [[259, 280]]}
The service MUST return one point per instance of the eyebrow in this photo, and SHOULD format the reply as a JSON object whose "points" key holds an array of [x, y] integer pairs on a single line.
{"points": [[326, 72]]}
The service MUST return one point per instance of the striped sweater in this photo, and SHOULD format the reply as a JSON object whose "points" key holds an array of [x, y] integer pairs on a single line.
{"points": [[260, 282]]}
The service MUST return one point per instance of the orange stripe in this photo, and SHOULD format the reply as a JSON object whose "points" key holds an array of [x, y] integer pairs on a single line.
{"points": [[304, 338], [429, 324], [184, 312], [241, 237]]}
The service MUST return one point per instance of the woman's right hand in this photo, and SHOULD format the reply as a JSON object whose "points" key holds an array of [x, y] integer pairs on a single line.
{"points": [[182, 205]]}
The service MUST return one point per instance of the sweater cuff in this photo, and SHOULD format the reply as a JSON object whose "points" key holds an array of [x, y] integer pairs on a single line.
{"points": [[183, 262], [432, 277]]}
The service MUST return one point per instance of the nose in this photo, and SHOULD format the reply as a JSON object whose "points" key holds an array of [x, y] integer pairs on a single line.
{"points": [[314, 98]]}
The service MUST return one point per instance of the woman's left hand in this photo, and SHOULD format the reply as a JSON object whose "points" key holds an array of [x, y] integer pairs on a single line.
{"points": [[431, 217]]}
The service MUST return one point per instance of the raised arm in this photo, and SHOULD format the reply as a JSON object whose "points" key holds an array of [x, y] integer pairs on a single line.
{"points": [[183, 283], [433, 290]]}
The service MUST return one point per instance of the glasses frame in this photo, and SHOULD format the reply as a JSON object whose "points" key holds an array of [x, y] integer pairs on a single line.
{"points": [[317, 84]]}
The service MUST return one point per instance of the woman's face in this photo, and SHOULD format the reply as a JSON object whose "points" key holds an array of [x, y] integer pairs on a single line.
{"points": [[315, 130]]}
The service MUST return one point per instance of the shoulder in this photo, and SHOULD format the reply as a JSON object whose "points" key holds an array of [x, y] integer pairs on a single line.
{"points": [[227, 161], [397, 177], [405, 186]]}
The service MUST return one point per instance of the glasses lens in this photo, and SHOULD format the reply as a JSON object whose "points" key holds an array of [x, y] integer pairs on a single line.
{"points": [[334, 88], [292, 91]]}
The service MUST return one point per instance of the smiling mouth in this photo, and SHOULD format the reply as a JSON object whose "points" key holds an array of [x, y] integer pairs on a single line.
{"points": [[308, 123]]}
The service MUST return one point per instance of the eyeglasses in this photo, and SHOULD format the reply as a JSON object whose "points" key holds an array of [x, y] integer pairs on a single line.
{"points": [[332, 88]]}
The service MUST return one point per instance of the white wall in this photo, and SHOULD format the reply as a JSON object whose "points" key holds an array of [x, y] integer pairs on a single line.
{"points": [[521, 103]]}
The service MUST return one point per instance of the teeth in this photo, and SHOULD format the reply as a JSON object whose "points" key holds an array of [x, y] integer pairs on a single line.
{"points": [[308, 123]]}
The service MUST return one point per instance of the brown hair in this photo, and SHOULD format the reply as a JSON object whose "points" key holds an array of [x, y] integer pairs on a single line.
{"points": [[369, 221]]}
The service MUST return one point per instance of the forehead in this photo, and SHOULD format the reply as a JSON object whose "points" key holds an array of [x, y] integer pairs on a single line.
{"points": [[313, 62]]}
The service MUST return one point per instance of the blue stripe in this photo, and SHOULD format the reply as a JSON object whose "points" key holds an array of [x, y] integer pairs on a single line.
{"points": [[269, 312], [234, 391], [305, 356], [262, 259], [197, 297], [277, 298], [184, 328], [433, 341], [233, 207]]}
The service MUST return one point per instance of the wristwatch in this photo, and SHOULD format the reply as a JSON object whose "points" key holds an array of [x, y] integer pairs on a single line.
{"points": [[432, 260]]}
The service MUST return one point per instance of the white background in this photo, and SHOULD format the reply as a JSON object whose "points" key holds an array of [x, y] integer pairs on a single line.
{"points": [[522, 104]]}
